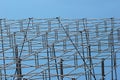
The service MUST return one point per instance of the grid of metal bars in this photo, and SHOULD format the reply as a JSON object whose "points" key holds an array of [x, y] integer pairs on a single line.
{"points": [[60, 49]]}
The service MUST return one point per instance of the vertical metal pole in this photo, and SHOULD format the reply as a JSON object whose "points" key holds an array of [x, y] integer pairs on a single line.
{"points": [[25, 36], [99, 46], [18, 64], [102, 69], [51, 52], [115, 66], [114, 73], [56, 35], [43, 75], [36, 60], [77, 26], [14, 44], [54, 54], [75, 55], [75, 60], [25, 79], [110, 42], [11, 40], [97, 30], [8, 29], [67, 29], [112, 47], [48, 56], [48, 64], [43, 40], [64, 46], [21, 25], [30, 47], [73, 79], [85, 69], [0, 74], [105, 25], [88, 50], [76, 40], [2, 41], [118, 33], [37, 30], [90, 61], [61, 69], [9, 35], [49, 25]]}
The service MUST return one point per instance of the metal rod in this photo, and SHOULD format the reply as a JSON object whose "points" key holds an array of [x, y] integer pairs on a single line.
{"points": [[85, 68], [102, 69], [36, 60], [18, 65], [88, 50], [0, 74], [25, 36], [118, 34], [49, 25], [61, 69], [2, 41], [55, 62], [48, 55], [73, 44], [30, 47]]}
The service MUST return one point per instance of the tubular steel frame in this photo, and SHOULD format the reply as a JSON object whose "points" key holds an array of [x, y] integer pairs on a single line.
{"points": [[60, 49]]}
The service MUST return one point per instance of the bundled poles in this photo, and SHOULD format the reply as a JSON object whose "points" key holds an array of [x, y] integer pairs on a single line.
{"points": [[83, 53], [91, 71], [48, 55], [18, 65], [56, 66], [2, 41]]}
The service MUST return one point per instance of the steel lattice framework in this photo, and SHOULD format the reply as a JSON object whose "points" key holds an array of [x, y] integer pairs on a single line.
{"points": [[60, 49]]}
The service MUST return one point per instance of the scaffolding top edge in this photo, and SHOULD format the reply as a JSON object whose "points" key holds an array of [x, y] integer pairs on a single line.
{"points": [[71, 19]]}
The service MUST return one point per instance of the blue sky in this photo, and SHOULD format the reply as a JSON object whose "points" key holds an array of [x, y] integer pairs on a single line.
{"points": [[18, 9]]}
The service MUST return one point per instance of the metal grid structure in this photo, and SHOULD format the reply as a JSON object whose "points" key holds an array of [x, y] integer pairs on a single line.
{"points": [[60, 49]]}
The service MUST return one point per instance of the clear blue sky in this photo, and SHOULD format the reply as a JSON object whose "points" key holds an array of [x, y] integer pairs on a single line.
{"points": [[18, 9]]}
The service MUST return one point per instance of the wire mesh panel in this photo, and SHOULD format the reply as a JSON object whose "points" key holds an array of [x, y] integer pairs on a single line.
{"points": [[60, 49]]}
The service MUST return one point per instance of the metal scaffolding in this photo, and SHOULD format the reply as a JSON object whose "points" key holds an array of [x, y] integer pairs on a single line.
{"points": [[60, 49]]}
